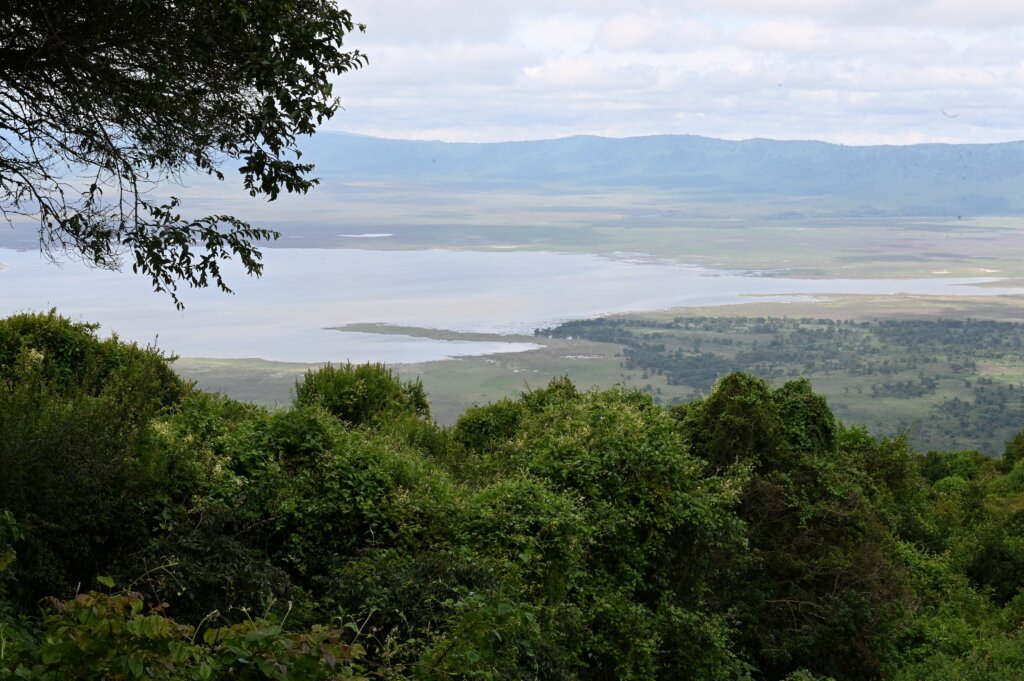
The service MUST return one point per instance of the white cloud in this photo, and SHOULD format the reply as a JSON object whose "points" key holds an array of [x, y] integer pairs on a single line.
{"points": [[842, 70], [787, 36], [997, 50], [557, 34], [590, 76], [655, 32]]}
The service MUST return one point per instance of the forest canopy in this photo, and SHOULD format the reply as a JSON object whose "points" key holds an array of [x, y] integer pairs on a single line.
{"points": [[151, 530], [102, 103]]}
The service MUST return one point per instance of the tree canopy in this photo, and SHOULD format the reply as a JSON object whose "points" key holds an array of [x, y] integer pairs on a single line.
{"points": [[102, 102], [150, 530]]}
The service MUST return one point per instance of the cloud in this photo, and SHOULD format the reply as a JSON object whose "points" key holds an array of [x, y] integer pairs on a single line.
{"points": [[655, 32], [943, 14], [840, 70], [590, 76]]}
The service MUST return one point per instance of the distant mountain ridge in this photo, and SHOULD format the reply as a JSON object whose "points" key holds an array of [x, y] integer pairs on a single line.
{"points": [[920, 179]]}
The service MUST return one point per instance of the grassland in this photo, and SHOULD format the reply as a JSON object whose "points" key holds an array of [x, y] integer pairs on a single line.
{"points": [[949, 383], [786, 237], [456, 384]]}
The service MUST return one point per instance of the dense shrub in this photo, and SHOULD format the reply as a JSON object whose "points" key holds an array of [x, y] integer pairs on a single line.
{"points": [[70, 358], [737, 423], [482, 429], [564, 534], [360, 394], [1014, 451], [659, 527], [102, 636], [819, 581], [75, 466]]}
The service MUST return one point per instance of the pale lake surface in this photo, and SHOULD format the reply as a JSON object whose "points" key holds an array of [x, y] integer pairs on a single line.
{"points": [[284, 315]]}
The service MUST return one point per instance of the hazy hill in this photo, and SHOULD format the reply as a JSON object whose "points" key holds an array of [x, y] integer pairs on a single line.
{"points": [[398, 186], [924, 179]]}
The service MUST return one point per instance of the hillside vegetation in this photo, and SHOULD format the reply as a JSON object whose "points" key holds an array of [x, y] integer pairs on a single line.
{"points": [[149, 530], [949, 383]]}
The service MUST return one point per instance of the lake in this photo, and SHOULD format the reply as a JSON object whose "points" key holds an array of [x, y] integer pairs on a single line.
{"points": [[284, 315]]}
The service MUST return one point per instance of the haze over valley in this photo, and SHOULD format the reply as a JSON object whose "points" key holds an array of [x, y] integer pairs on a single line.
{"points": [[474, 238]]}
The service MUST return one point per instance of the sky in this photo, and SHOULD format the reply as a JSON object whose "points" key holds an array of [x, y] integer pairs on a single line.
{"points": [[844, 71]]}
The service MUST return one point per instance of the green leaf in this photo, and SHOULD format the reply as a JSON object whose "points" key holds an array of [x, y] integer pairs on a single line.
{"points": [[135, 665], [51, 654], [6, 558]]}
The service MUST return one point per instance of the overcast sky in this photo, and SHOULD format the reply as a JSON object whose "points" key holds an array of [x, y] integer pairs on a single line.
{"points": [[847, 71]]}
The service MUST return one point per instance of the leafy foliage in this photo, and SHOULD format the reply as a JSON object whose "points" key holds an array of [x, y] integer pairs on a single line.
{"points": [[819, 581], [75, 469], [565, 534], [359, 394], [100, 103], [97, 635]]}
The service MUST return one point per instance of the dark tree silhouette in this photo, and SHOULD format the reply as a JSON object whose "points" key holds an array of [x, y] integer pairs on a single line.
{"points": [[102, 101]]}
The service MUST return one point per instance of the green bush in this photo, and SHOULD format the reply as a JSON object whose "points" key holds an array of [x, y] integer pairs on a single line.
{"points": [[1014, 451], [101, 636], [364, 492], [563, 534], [966, 465], [819, 583], [69, 358], [659, 529], [361, 394], [737, 423], [75, 466], [482, 429]]}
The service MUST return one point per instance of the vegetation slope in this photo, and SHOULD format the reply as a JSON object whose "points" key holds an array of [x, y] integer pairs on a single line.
{"points": [[149, 530]]}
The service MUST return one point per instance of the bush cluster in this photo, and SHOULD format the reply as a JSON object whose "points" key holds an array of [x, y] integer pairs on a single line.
{"points": [[173, 534]]}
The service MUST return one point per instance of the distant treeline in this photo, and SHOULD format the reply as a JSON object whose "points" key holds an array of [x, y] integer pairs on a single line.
{"points": [[900, 359], [149, 530]]}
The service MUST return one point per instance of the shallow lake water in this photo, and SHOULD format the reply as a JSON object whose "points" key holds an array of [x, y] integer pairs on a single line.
{"points": [[285, 315]]}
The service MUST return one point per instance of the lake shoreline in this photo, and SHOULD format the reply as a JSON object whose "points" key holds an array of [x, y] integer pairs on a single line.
{"points": [[318, 305]]}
